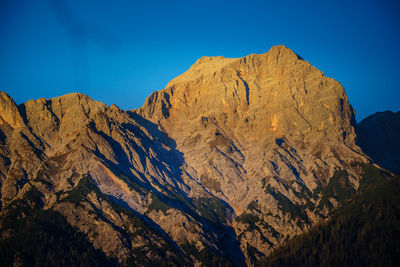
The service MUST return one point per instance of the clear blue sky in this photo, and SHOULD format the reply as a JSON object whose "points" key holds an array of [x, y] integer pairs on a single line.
{"points": [[121, 51]]}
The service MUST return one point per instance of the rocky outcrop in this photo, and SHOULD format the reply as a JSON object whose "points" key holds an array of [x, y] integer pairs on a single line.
{"points": [[9, 115]]}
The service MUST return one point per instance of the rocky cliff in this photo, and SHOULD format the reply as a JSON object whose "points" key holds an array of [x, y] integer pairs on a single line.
{"points": [[230, 159], [114, 176], [264, 133]]}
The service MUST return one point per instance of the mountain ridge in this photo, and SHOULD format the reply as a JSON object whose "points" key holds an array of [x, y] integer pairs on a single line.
{"points": [[230, 159]]}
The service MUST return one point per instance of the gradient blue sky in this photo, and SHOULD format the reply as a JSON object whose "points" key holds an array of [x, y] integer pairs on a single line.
{"points": [[121, 51]]}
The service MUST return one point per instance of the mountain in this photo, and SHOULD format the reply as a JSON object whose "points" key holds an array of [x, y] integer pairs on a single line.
{"points": [[264, 133], [110, 175], [231, 159], [379, 137]]}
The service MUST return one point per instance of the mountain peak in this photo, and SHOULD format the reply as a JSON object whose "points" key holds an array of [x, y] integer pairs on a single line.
{"points": [[207, 59], [241, 109], [73, 96], [281, 51], [285, 92], [206, 66], [378, 136], [9, 113], [203, 66], [78, 100]]}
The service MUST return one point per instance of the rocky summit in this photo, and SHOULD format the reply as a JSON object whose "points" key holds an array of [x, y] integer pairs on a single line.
{"points": [[231, 159]]}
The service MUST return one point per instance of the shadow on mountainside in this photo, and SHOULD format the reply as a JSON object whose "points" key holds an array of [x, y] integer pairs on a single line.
{"points": [[210, 211], [147, 166], [379, 137]]}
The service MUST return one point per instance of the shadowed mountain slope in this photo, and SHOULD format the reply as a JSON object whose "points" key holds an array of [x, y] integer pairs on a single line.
{"points": [[379, 137]]}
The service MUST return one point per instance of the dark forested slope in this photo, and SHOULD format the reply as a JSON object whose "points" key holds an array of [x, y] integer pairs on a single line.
{"points": [[363, 232]]}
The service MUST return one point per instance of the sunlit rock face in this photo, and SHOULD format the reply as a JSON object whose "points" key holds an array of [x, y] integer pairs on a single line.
{"points": [[222, 165], [114, 176], [263, 121], [238, 121]]}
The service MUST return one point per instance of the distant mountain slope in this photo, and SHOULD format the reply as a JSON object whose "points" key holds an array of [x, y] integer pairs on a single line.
{"points": [[362, 232], [379, 137]]}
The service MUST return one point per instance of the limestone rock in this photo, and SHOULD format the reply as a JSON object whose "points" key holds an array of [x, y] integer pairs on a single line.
{"points": [[102, 168], [222, 165], [256, 117], [256, 127], [9, 112]]}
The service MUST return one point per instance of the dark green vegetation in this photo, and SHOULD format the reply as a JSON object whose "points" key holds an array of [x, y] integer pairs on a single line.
{"points": [[287, 206], [211, 209], [206, 256], [364, 231], [135, 226], [213, 213], [338, 188], [255, 222], [53, 241], [35, 237], [158, 204], [31, 236]]}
